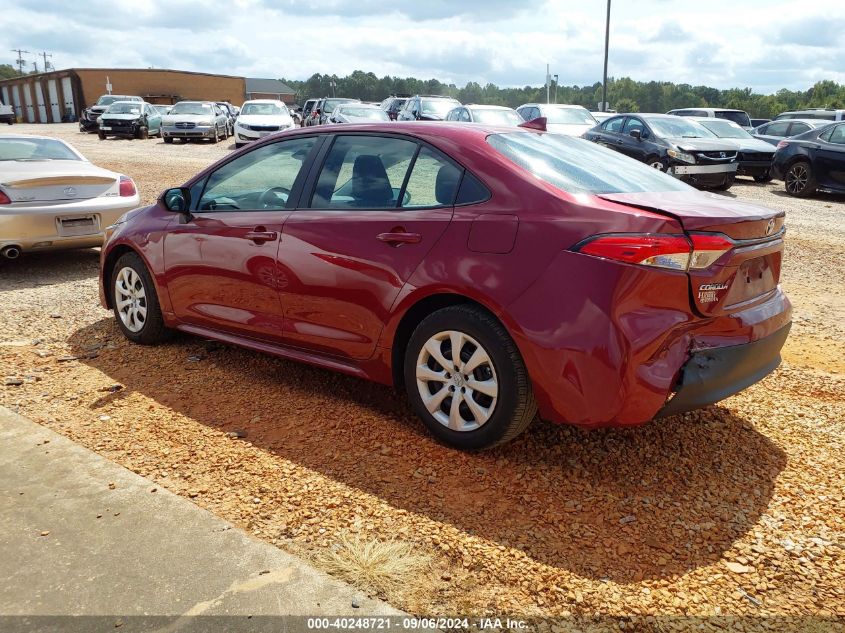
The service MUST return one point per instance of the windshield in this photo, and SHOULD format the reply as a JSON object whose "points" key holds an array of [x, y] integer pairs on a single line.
{"points": [[438, 107], [678, 127], [569, 116], [331, 104], [264, 109], [496, 117], [725, 129], [107, 100], [737, 116], [579, 166], [124, 108], [186, 107], [376, 114], [35, 149]]}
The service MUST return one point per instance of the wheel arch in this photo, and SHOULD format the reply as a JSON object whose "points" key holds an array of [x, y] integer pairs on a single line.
{"points": [[115, 253], [414, 314]]}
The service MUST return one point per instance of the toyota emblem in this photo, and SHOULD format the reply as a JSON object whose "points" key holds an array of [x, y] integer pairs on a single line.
{"points": [[70, 192], [770, 227]]}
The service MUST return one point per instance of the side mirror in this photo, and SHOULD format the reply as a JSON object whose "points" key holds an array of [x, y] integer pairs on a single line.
{"points": [[636, 134], [177, 199]]}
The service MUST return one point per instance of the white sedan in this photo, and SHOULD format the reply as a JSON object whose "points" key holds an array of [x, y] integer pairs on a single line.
{"points": [[260, 117], [51, 197]]}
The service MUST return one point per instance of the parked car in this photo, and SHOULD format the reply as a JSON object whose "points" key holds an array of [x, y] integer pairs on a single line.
{"points": [[611, 317], [758, 122], [490, 114], [195, 119], [308, 110], [573, 120], [163, 108], [324, 107], [357, 113], [229, 111], [130, 119], [776, 131], [295, 112], [828, 114], [392, 105], [88, 120], [52, 198], [260, 117], [602, 116], [811, 161], [672, 144], [755, 156], [7, 113], [426, 108], [740, 117]]}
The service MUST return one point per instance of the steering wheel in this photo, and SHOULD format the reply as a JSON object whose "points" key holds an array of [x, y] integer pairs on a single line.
{"points": [[270, 199]]}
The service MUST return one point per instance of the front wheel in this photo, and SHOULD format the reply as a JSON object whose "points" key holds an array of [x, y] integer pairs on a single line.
{"points": [[102, 135], [168, 139], [466, 379], [216, 136], [799, 180], [135, 302], [729, 181], [144, 133]]}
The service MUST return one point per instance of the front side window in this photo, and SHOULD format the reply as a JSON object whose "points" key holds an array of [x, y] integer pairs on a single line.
{"points": [[798, 128], [259, 180], [576, 165], [778, 128], [433, 182], [364, 172], [634, 124]]}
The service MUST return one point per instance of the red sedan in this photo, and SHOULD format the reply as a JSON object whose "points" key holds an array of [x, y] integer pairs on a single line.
{"points": [[493, 273]]}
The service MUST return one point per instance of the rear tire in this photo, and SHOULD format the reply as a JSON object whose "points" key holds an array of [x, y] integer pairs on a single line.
{"points": [[799, 180], [763, 178], [729, 181], [216, 136], [135, 302], [144, 133], [482, 401]]}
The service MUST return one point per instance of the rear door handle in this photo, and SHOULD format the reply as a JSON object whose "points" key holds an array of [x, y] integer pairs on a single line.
{"points": [[397, 238], [261, 236]]}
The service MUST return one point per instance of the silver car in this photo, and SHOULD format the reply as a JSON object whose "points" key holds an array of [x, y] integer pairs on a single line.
{"points": [[52, 198], [195, 119]]}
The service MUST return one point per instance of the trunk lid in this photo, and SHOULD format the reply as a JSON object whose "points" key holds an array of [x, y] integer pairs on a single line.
{"points": [[749, 271], [32, 182]]}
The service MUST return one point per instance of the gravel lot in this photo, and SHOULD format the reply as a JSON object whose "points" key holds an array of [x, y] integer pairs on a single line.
{"points": [[735, 510]]}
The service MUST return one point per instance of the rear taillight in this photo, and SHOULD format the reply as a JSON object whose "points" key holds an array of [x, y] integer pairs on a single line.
{"points": [[675, 252], [4, 199], [782, 144], [127, 187]]}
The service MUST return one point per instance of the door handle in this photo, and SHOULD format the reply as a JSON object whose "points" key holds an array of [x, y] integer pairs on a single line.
{"points": [[399, 237], [260, 236]]}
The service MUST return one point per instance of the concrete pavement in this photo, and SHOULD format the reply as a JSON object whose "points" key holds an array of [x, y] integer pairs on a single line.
{"points": [[150, 553]]}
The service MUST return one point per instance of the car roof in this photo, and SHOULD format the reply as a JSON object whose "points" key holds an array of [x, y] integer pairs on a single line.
{"points": [[811, 122], [710, 119], [707, 110], [553, 105], [262, 101], [484, 106]]}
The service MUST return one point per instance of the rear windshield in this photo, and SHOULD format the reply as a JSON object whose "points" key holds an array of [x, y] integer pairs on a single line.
{"points": [[35, 149], [737, 116], [571, 116], [438, 107], [186, 107], [331, 104], [579, 166], [376, 114], [496, 117]]}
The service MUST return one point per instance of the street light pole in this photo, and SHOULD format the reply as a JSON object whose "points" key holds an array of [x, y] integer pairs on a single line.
{"points": [[606, 43], [555, 88]]}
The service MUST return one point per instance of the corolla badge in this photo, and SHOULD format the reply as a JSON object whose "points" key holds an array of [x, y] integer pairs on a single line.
{"points": [[707, 292], [70, 192]]}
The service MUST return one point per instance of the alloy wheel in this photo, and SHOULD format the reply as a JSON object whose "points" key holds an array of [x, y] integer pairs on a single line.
{"points": [[457, 381], [797, 178], [130, 299]]}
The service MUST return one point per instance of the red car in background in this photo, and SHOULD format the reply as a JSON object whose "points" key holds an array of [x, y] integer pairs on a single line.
{"points": [[490, 272]]}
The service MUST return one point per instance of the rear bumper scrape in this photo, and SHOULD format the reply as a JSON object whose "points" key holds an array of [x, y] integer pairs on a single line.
{"points": [[714, 374]]}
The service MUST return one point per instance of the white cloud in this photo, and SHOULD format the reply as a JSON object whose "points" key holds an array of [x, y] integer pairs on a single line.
{"points": [[720, 43]]}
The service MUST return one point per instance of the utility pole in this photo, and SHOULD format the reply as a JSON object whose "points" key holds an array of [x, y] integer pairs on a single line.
{"points": [[555, 88], [21, 63], [606, 45], [35, 66], [548, 81], [47, 64]]}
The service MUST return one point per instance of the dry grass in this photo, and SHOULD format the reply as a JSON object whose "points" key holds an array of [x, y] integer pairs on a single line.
{"points": [[383, 568]]}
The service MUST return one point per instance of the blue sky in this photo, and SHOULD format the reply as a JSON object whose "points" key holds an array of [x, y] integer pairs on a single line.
{"points": [[721, 43]]}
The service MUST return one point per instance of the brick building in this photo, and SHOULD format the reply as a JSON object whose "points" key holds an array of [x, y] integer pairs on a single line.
{"points": [[61, 95]]}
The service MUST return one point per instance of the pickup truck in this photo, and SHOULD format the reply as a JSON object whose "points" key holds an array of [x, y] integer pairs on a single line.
{"points": [[7, 114]]}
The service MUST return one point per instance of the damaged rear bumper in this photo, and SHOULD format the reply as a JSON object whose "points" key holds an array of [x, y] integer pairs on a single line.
{"points": [[712, 375]]}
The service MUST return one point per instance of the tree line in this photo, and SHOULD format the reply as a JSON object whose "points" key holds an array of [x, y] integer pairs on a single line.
{"points": [[624, 94]]}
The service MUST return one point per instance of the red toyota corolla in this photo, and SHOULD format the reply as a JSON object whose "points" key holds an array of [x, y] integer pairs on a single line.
{"points": [[493, 273]]}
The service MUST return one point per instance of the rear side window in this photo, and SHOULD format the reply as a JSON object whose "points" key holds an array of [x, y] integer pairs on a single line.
{"points": [[838, 135], [471, 191], [613, 125], [798, 128], [777, 128], [433, 181], [576, 165]]}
